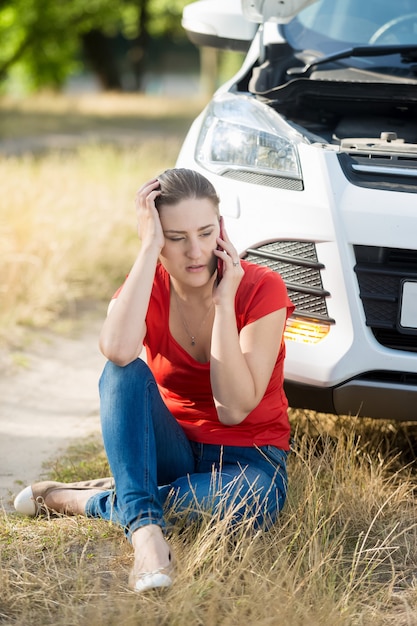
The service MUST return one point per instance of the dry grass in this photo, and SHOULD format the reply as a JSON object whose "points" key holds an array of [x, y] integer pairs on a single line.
{"points": [[67, 223], [344, 551]]}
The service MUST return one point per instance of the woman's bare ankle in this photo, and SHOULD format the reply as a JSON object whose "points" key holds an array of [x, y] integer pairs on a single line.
{"points": [[152, 551]]}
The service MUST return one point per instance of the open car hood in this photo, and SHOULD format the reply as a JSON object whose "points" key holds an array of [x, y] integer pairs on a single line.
{"points": [[312, 96], [281, 11]]}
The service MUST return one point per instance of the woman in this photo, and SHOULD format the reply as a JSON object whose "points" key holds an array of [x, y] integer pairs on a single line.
{"points": [[204, 422]]}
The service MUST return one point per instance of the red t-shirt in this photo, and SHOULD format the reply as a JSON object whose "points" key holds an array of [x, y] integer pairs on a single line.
{"points": [[185, 383]]}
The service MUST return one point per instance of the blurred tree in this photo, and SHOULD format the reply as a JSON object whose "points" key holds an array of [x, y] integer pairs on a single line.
{"points": [[43, 41]]}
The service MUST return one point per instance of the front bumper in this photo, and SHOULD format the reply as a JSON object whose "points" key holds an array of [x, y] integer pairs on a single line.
{"points": [[382, 395]]}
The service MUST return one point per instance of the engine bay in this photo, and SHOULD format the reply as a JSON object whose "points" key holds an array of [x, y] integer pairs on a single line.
{"points": [[337, 101]]}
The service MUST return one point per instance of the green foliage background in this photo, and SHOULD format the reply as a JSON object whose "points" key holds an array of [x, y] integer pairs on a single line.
{"points": [[41, 39]]}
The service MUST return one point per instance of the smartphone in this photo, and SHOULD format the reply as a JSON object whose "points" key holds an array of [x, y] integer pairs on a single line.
{"points": [[219, 260]]}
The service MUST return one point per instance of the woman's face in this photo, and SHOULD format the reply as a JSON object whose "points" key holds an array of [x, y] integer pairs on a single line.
{"points": [[190, 228]]}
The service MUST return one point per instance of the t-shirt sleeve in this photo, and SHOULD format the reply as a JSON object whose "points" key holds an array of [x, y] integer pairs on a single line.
{"points": [[264, 293]]}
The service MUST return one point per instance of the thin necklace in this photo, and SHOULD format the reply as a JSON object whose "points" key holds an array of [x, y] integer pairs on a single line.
{"points": [[184, 323]]}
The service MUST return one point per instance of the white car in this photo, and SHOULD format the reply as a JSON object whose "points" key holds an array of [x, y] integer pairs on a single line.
{"points": [[312, 147]]}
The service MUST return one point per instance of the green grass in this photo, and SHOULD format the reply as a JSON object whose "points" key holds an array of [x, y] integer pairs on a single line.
{"points": [[96, 115]]}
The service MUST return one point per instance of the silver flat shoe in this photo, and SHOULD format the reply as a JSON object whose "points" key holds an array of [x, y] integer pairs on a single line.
{"points": [[158, 579]]}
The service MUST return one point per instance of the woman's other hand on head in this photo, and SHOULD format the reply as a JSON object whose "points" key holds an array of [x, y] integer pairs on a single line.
{"points": [[149, 225]]}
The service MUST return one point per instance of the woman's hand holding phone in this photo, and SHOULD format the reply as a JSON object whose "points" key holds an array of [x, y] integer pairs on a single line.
{"points": [[228, 262]]}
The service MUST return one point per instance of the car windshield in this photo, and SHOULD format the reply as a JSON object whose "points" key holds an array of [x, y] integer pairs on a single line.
{"points": [[331, 25]]}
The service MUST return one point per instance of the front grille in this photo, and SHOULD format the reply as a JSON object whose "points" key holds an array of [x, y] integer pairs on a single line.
{"points": [[266, 180], [380, 273], [380, 171], [296, 262]]}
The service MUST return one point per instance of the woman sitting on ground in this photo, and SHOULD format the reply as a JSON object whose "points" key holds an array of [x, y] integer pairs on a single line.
{"points": [[203, 422]]}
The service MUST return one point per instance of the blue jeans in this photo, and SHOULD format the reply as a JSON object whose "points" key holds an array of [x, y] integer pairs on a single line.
{"points": [[154, 464]]}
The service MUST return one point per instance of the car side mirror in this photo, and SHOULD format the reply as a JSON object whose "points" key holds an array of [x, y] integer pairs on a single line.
{"points": [[218, 24]]}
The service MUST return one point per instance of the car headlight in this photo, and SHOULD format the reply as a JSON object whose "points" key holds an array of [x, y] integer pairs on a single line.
{"points": [[242, 133]]}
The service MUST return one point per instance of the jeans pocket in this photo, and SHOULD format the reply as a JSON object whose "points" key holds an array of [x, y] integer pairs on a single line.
{"points": [[276, 456]]}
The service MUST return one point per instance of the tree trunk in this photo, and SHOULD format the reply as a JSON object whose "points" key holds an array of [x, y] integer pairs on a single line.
{"points": [[100, 55], [209, 59], [138, 51]]}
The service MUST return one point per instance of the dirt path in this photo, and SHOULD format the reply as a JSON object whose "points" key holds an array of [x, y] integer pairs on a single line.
{"points": [[48, 403]]}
